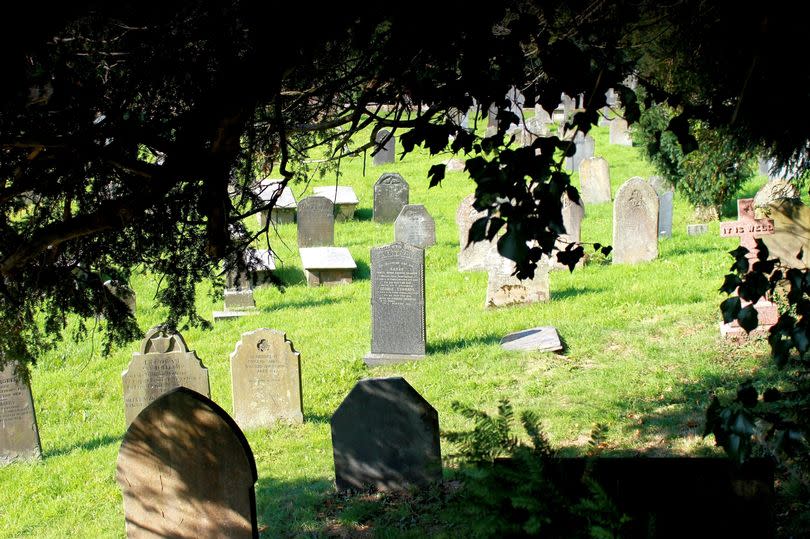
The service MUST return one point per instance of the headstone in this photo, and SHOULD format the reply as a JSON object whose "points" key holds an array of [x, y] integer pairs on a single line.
{"points": [[239, 299], [504, 289], [455, 165], [568, 106], [475, 256], [776, 190], [415, 226], [542, 339], [790, 241], [327, 265], [660, 185], [316, 222], [19, 435], [533, 129], [385, 436], [123, 292], [635, 223], [386, 148], [516, 100], [541, 115], [397, 304], [266, 380], [619, 132], [585, 146], [572, 215], [611, 97], [594, 180], [344, 199], [748, 229], [770, 169], [283, 211], [697, 229], [163, 363], [186, 471], [492, 116], [390, 195], [665, 208]]}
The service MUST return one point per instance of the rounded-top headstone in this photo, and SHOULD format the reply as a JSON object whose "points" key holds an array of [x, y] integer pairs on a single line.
{"points": [[391, 193], [385, 152], [660, 185], [472, 256], [415, 226], [316, 222], [635, 222]]}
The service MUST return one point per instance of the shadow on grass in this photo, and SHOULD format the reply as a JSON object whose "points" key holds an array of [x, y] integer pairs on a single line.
{"points": [[290, 275], [363, 214], [560, 295], [446, 346], [291, 508], [302, 304], [87, 445], [310, 417], [363, 271]]}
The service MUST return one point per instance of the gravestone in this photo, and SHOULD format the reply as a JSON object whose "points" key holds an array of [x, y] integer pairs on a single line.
{"points": [[635, 222], [541, 115], [455, 165], [316, 222], [619, 132], [697, 229], [19, 435], [283, 211], [585, 146], [594, 180], [475, 256], [748, 229], [262, 262], [266, 380], [397, 304], [665, 208], [163, 363], [123, 292], [504, 289], [516, 100], [533, 129], [385, 435], [186, 471], [790, 241], [492, 116], [327, 265], [660, 185], [415, 226], [385, 152], [543, 339], [572, 215], [391, 193], [239, 299], [344, 199]]}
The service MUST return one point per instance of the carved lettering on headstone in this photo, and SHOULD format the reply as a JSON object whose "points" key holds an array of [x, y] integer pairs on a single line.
{"points": [[415, 226]]}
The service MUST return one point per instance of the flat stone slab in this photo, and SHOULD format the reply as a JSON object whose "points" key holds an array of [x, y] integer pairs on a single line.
{"points": [[341, 194], [316, 258], [268, 188], [544, 339]]}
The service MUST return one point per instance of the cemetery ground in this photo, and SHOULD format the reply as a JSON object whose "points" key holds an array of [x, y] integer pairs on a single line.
{"points": [[643, 354]]}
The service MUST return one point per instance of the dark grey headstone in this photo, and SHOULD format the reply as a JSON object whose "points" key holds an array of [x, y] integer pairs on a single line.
{"points": [[19, 435], [386, 149], [544, 339], [635, 222], [585, 147], [391, 193], [415, 226], [385, 435], [397, 303], [186, 470], [665, 208], [316, 222]]}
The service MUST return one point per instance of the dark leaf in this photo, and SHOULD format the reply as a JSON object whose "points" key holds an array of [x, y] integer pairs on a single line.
{"points": [[436, 174], [730, 308], [747, 395], [730, 283], [748, 318]]}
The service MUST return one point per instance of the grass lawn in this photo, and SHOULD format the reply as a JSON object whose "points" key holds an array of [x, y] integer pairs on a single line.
{"points": [[643, 354]]}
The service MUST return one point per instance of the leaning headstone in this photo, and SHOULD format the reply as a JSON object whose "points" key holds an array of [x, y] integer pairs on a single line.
{"points": [[316, 222], [475, 256], [635, 223], [283, 211], [397, 304], [19, 435], [697, 229], [665, 208], [385, 152], [504, 289], [619, 132], [327, 265], [585, 146], [163, 363], [542, 339], [186, 470], [385, 436], [572, 215], [344, 199], [790, 241], [415, 226], [594, 180], [391, 193], [776, 190], [266, 380]]}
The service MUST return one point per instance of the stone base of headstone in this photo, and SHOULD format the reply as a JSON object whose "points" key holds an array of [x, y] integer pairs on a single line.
{"points": [[345, 212], [230, 315], [328, 277], [696, 230], [385, 359], [543, 339], [239, 300], [767, 316]]}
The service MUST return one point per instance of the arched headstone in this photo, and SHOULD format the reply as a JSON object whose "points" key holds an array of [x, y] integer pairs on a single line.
{"points": [[635, 222], [316, 222], [594, 180], [391, 193], [386, 148]]}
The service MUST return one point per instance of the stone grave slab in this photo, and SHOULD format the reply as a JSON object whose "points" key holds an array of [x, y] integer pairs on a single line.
{"points": [[19, 434], [327, 265], [186, 471], [697, 229], [391, 194], [635, 223], [385, 436], [397, 304], [344, 199], [385, 152], [504, 289], [316, 222], [543, 339], [620, 132], [163, 363], [475, 256], [415, 226], [665, 210], [219, 316], [283, 211], [266, 380], [594, 180]]}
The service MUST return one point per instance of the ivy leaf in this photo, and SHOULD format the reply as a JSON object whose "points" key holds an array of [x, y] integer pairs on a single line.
{"points": [[606, 250], [730, 283], [570, 256], [748, 318], [436, 174], [747, 395], [730, 308]]}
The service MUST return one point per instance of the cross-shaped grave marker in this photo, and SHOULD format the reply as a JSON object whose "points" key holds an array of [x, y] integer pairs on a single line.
{"points": [[748, 228]]}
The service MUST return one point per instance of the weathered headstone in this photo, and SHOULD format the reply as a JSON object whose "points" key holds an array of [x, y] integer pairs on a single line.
{"points": [[262, 262], [123, 292], [776, 190], [594, 180], [635, 223], [283, 211], [619, 132], [492, 116], [19, 435], [455, 165], [391, 193], [697, 229], [239, 299], [386, 148], [266, 380], [790, 241], [316, 222], [344, 199], [504, 289], [186, 471], [572, 215], [415, 226], [327, 265], [163, 363], [665, 209], [533, 129], [748, 229], [397, 304], [543, 339], [475, 256], [585, 146], [385, 435]]}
